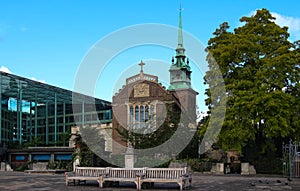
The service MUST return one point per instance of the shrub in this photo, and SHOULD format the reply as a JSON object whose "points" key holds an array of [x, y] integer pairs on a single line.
{"points": [[198, 165], [151, 162], [21, 168], [55, 165], [268, 166]]}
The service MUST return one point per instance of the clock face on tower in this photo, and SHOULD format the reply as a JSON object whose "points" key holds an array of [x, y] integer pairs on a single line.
{"points": [[141, 90]]}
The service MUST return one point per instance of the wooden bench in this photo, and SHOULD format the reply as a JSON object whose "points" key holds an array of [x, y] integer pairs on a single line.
{"points": [[84, 174], [181, 176], [121, 175]]}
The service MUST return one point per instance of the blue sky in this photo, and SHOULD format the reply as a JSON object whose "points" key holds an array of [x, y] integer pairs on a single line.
{"points": [[47, 40]]}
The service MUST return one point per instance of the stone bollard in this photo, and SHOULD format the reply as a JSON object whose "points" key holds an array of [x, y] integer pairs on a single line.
{"points": [[2, 168], [8, 167], [247, 169], [217, 168], [5, 167]]}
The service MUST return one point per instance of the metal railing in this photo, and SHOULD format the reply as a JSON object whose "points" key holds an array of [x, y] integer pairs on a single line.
{"points": [[291, 159]]}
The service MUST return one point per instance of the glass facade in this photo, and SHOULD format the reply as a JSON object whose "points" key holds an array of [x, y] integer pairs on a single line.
{"points": [[41, 114]]}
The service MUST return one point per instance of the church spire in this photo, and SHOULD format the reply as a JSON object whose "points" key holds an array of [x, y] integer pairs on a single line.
{"points": [[180, 71], [180, 38], [180, 49]]}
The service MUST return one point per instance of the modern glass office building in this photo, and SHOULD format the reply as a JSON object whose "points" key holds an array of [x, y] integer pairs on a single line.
{"points": [[31, 111]]}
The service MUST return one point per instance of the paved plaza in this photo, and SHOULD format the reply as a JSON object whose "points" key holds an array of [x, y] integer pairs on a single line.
{"points": [[44, 182]]}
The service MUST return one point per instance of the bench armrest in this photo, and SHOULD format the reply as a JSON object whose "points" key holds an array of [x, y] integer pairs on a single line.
{"points": [[141, 175], [104, 175], [69, 173], [189, 174]]}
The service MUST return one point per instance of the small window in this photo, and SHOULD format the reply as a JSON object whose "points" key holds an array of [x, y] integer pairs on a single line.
{"points": [[20, 158], [59, 157], [41, 157]]}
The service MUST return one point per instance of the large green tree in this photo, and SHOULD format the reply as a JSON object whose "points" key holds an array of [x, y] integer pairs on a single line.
{"points": [[260, 68]]}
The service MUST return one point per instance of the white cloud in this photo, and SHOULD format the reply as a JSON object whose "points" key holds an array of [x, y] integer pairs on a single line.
{"points": [[201, 115], [292, 23], [34, 79], [5, 69]]}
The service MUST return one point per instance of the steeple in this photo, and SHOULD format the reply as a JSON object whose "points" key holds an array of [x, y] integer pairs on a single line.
{"points": [[180, 70], [180, 56], [180, 39]]}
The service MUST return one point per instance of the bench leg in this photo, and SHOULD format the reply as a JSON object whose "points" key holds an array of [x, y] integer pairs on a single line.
{"points": [[186, 184], [100, 182], [137, 184], [180, 184]]}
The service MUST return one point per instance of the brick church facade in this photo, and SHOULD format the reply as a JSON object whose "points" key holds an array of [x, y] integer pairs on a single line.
{"points": [[143, 104]]}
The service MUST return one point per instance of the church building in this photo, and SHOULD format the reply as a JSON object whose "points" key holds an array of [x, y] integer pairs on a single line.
{"points": [[144, 105]]}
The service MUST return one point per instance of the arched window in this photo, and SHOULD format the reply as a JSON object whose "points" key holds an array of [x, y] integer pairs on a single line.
{"points": [[131, 117], [139, 115], [142, 114], [146, 113], [137, 110]]}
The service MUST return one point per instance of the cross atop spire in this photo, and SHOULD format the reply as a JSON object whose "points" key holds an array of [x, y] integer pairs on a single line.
{"points": [[141, 64]]}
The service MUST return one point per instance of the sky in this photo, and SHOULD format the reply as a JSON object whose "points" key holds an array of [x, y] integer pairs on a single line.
{"points": [[48, 40]]}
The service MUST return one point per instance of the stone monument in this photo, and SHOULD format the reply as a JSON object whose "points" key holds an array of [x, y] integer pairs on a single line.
{"points": [[130, 157]]}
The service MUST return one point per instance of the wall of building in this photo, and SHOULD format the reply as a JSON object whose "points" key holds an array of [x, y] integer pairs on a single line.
{"points": [[37, 114]]}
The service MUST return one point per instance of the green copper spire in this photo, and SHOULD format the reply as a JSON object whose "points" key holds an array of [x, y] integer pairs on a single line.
{"points": [[180, 39], [180, 71], [180, 50]]}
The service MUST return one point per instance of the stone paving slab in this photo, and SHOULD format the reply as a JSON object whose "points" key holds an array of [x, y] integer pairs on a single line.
{"points": [[45, 182]]}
